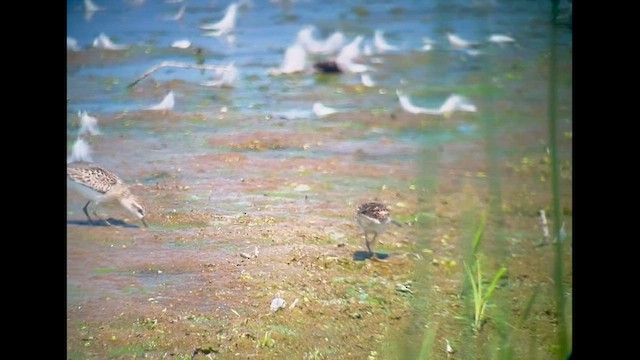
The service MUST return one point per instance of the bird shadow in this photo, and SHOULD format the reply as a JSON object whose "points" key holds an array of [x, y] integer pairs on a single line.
{"points": [[364, 255], [102, 223]]}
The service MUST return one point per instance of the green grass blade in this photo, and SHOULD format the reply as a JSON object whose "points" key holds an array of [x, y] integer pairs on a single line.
{"points": [[479, 234], [529, 305], [494, 282], [427, 344]]}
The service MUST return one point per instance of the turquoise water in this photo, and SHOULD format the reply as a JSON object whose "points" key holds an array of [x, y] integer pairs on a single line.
{"points": [[264, 30]]}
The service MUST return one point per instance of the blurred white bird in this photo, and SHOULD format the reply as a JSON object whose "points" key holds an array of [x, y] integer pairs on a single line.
{"points": [[458, 42], [224, 26], [88, 124], [103, 42], [181, 44], [72, 44], [366, 80], [165, 105], [381, 44], [225, 77], [177, 16], [295, 59], [452, 103], [80, 152], [500, 39], [321, 111]]}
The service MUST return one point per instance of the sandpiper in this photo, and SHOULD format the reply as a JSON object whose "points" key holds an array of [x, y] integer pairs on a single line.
{"points": [[374, 218], [100, 185]]}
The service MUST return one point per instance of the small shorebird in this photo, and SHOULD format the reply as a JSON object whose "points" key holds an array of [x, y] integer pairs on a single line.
{"points": [[100, 185], [373, 218]]}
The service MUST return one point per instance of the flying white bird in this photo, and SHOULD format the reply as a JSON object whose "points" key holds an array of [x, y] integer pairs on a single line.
{"points": [[225, 77], [72, 44], [177, 16], [88, 124], [500, 39], [181, 44], [366, 80], [458, 42], [321, 111], [224, 26], [80, 152], [103, 42], [453, 103], [381, 44], [90, 6], [165, 105], [295, 59]]}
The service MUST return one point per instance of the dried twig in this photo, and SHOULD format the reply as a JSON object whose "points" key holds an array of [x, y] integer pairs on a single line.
{"points": [[178, 65]]}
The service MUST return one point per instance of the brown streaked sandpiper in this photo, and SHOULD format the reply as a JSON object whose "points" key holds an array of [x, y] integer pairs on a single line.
{"points": [[100, 185], [374, 218]]}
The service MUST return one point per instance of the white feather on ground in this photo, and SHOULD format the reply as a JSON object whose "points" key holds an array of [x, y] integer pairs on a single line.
{"points": [[72, 44], [407, 106], [181, 44], [451, 104], [331, 45], [347, 55], [458, 42], [88, 124], [500, 39], [80, 152], [366, 80], [104, 42], [225, 77], [90, 6], [321, 111], [166, 104], [427, 44], [295, 60], [177, 16], [224, 26]]}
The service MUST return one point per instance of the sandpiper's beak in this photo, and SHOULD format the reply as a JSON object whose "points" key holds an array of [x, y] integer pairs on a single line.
{"points": [[144, 222]]}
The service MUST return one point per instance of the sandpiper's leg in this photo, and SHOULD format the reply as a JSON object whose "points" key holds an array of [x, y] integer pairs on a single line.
{"points": [[374, 257], [366, 241], [87, 213]]}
